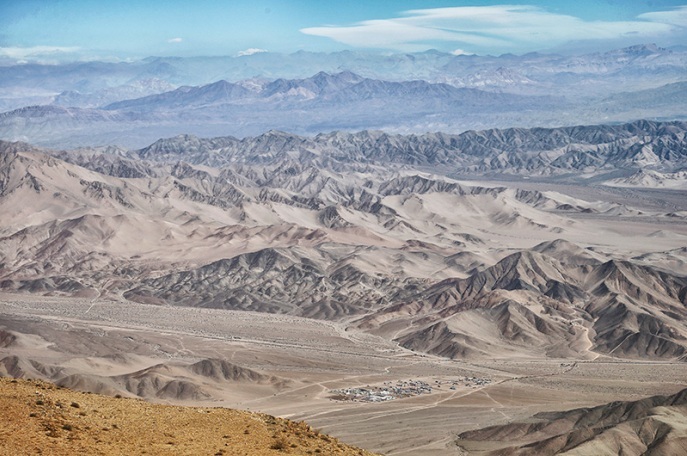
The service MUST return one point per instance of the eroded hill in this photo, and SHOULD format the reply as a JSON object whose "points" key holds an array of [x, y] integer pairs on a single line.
{"points": [[653, 426], [369, 229]]}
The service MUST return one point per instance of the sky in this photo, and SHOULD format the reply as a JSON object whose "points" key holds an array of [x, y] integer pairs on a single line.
{"points": [[35, 30]]}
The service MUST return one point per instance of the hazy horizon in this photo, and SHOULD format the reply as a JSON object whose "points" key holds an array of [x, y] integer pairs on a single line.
{"points": [[73, 30]]}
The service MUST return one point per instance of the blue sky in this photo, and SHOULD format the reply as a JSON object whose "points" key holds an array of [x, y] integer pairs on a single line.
{"points": [[130, 29]]}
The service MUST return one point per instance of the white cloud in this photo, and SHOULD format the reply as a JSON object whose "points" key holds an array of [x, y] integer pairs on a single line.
{"points": [[678, 16], [461, 52], [251, 51], [35, 51], [175, 40], [504, 28]]}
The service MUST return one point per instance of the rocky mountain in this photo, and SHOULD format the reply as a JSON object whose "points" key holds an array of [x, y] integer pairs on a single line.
{"points": [[582, 149], [640, 61], [654, 425], [531, 301], [172, 381], [365, 228], [135, 89], [184, 97], [321, 102], [266, 228], [647, 178]]}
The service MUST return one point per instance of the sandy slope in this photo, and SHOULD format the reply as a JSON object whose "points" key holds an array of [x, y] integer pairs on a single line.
{"points": [[39, 418]]}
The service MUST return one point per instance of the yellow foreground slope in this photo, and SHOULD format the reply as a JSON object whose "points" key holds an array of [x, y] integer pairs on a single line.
{"points": [[40, 418]]}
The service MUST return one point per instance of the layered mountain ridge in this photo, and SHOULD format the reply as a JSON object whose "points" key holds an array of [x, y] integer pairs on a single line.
{"points": [[532, 300], [655, 425], [367, 229], [593, 149]]}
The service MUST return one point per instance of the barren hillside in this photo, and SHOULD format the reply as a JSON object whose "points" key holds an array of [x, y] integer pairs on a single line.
{"points": [[653, 426], [40, 418], [269, 272]]}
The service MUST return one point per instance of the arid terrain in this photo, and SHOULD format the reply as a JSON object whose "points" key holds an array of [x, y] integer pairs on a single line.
{"points": [[39, 418], [410, 228], [655, 425], [289, 366], [397, 292]]}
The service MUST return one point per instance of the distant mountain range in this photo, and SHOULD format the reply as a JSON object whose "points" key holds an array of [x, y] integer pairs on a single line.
{"points": [[322, 102], [433, 66], [133, 104]]}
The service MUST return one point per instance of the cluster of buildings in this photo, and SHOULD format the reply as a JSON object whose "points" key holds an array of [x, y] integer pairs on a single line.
{"points": [[390, 390], [469, 382]]}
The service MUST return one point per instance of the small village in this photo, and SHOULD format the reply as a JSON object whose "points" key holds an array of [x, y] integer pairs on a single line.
{"points": [[389, 390]]}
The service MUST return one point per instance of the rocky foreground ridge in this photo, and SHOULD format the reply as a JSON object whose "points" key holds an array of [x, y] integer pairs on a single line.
{"points": [[40, 418]]}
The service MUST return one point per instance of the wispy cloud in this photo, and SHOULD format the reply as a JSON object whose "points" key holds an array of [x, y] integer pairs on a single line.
{"points": [[482, 29], [251, 51], [175, 40], [36, 51], [677, 17]]}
